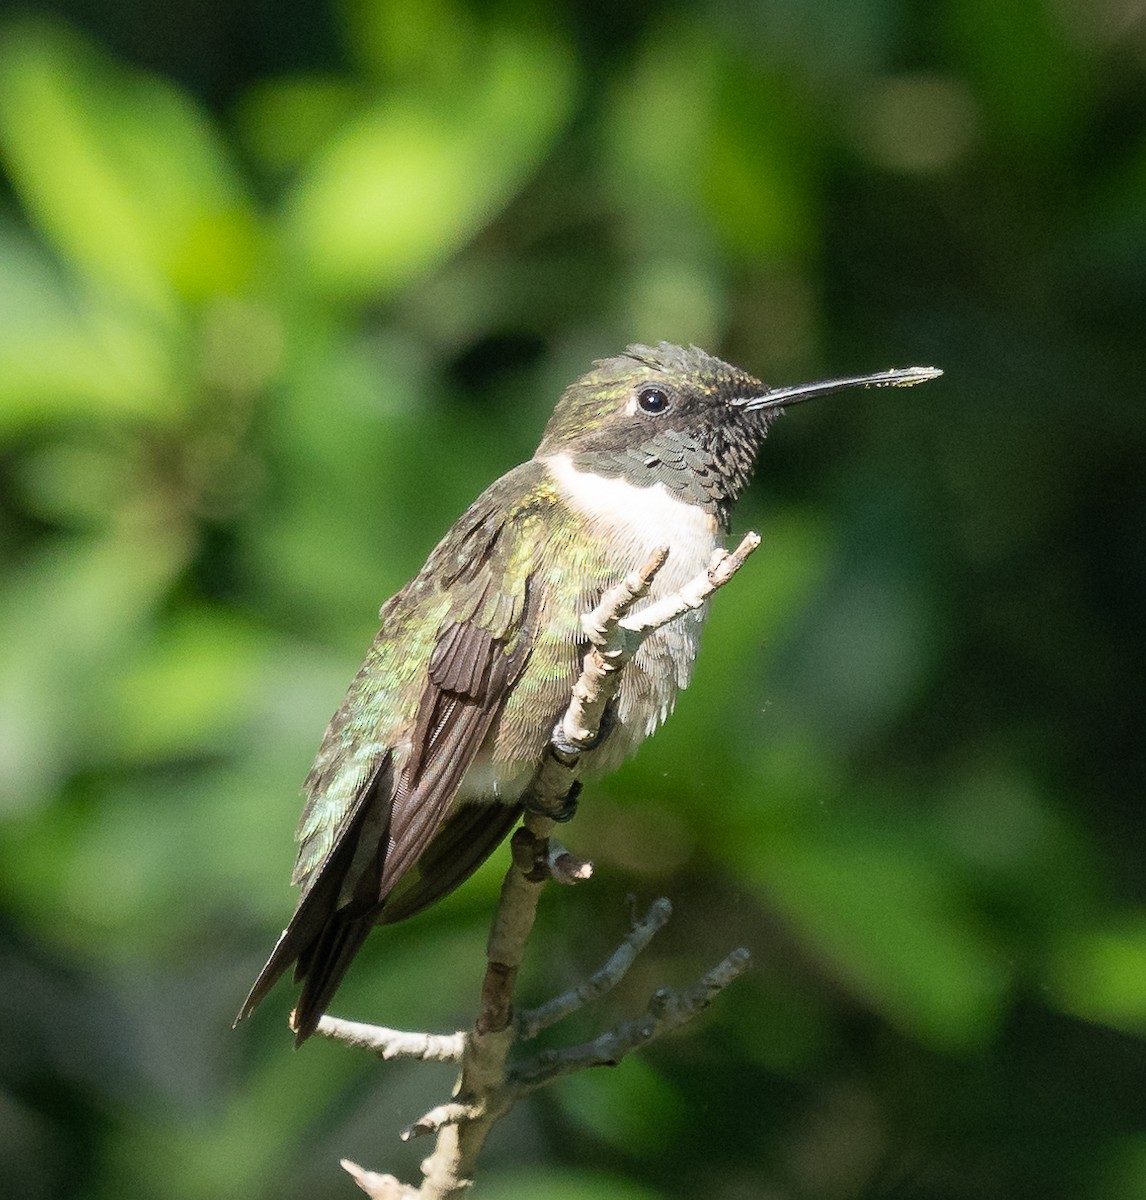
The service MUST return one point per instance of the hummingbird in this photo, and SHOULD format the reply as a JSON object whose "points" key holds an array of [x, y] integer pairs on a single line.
{"points": [[421, 770]]}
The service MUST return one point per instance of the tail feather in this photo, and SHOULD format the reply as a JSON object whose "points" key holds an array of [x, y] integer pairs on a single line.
{"points": [[328, 928], [326, 962]]}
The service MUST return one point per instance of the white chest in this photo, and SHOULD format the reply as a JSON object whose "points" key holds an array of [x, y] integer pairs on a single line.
{"points": [[639, 519]]}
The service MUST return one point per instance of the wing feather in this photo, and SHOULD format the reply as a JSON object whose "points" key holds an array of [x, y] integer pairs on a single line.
{"points": [[470, 675], [467, 837], [374, 808]]}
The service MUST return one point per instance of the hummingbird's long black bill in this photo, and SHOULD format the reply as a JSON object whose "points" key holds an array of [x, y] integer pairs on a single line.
{"points": [[896, 377]]}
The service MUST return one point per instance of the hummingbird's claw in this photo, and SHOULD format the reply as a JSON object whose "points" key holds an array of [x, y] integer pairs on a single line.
{"points": [[569, 804], [566, 810]]}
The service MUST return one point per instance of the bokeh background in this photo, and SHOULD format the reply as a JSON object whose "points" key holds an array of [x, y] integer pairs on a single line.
{"points": [[284, 285]]}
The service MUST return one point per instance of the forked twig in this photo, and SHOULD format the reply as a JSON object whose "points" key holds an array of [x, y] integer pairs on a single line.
{"points": [[490, 1083]]}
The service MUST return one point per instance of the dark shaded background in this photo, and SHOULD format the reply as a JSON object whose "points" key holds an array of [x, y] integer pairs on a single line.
{"points": [[283, 286]]}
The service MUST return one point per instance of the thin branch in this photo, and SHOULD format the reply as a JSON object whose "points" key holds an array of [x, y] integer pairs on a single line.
{"points": [[530, 1022], [380, 1187], [667, 1010], [394, 1043], [438, 1118], [695, 593], [565, 867], [614, 639], [601, 622]]}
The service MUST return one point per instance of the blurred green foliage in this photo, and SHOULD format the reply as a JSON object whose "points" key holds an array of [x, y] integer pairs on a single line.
{"points": [[283, 287]]}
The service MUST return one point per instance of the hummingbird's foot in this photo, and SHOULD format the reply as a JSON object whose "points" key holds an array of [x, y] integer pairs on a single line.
{"points": [[561, 810]]}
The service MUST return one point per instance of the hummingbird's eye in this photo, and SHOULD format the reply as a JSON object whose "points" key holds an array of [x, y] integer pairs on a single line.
{"points": [[653, 399]]}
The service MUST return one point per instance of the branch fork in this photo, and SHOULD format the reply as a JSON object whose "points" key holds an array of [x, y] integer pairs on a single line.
{"points": [[490, 1083]]}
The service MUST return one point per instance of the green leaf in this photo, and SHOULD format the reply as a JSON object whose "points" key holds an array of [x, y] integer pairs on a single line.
{"points": [[889, 921], [413, 179], [1029, 73], [66, 619], [632, 1107], [1100, 974], [189, 690], [123, 173], [284, 121], [736, 158], [63, 353]]}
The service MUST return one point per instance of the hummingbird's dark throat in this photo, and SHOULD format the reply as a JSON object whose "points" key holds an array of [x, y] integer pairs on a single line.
{"points": [[708, 469]]}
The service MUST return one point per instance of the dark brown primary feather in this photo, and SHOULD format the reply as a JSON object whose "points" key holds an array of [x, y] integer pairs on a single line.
{"points": [[459, 729], [470, 675], [465, 839], [461, 660]]}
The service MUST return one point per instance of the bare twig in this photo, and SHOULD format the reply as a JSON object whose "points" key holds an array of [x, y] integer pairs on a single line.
{"points": [[438, 1118], [380, 1187], [530, 1022], [694, 594], [489, 1085], [667, 1009], [608, 653], [394, 1043], [565, 867]]}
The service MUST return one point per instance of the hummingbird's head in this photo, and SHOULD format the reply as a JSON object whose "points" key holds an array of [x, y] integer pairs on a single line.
{"points": [[681, 418]]}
